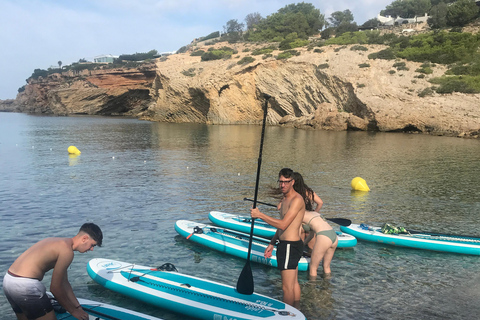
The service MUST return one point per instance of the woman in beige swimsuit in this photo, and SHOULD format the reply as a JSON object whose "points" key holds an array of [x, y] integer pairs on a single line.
{"points": [[326, 238]]}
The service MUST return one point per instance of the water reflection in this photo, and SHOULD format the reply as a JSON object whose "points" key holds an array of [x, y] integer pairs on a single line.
{"points": [[73, 159], [135, 179]]}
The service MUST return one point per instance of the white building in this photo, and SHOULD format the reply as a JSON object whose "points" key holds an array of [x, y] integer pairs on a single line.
{"points": [[105, 58], [390, 21]]}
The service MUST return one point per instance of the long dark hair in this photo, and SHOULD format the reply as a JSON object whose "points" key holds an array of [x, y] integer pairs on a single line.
{"points": [[306, 193]]}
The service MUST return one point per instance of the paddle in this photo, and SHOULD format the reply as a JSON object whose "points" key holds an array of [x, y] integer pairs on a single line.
{"points": [[245, 281], [339, 221], [101, 314]]}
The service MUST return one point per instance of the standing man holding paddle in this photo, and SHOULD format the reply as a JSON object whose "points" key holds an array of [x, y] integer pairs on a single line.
{"points": [[290, 246], [22, 282]]}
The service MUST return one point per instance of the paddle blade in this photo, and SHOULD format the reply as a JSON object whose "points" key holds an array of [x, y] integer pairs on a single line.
{"points": [[340, 221], [245, 281]]}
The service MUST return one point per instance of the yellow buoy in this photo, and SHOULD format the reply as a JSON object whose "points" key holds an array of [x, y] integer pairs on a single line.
{"points": [[73, 150], [359, 184]]}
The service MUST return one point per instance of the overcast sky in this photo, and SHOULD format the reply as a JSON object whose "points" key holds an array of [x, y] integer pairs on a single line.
{"points": [[36, 34]]}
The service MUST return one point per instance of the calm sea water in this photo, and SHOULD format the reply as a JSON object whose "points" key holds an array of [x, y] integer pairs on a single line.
{"points": [[135, 179]]}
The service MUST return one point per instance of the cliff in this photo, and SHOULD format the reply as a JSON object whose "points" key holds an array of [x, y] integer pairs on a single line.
{"points": [[328, 90]]}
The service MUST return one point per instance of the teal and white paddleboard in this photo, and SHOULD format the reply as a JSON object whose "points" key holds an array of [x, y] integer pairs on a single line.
{"points": [[418, 239], [231, 242], [194, 297], [263, 229], [99, 311]]}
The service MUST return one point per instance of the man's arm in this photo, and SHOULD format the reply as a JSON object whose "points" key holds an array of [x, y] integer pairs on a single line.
{"points": [[61, 288], [269, 250]]}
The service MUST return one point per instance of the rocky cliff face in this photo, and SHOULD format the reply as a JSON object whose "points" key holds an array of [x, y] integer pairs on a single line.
{"points": [[329, 90], [105, 92]]}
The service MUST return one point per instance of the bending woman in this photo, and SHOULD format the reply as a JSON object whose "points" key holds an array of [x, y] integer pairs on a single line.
{"points": [[326, 238]]}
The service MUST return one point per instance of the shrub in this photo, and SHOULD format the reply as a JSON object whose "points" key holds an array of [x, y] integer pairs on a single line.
{"points": [[287, 54], [284, 55], [392, 71], [246, 60], [386, 54], [471, 69], [318, 50], [359, 48], [288, 44], [400, 66], [39, 73], [323, 66], [216, 54], [197, 53], [265, 50], [189, 73], [426, 92], [464, 84], [425, 70]]}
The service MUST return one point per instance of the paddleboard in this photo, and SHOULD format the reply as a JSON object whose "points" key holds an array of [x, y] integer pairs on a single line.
{"points": [[417, 239], [99, 311], [263, 229], [231, 242], [188, 295]]}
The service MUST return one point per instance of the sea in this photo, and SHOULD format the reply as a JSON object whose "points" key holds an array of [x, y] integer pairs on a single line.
{"points": [[136, 178]]}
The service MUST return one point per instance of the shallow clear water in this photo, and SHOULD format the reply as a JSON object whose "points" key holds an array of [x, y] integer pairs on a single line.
{"points": [[135, 179]]}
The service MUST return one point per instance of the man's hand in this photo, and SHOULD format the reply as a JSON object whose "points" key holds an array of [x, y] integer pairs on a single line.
{"points": [[80, 314], [268, 251], [255, 213]]}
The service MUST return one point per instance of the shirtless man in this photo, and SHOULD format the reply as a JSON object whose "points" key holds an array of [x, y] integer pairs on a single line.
{"points": [[22, 282], [290, 247]]}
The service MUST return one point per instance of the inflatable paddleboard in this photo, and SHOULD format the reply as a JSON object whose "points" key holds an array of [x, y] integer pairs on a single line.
{"points": [[99, 311], [191, 296], [231, 242], [263, 229], [417, 239]]}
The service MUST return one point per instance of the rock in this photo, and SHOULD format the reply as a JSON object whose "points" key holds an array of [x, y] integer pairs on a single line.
{"points": [[320, 91]]}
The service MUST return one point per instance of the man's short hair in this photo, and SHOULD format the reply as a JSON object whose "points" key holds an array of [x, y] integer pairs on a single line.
{"points": [[286, 172], [93, 231]]}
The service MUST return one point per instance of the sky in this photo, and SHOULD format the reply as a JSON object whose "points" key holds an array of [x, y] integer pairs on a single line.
{"points": [[37, 34]]}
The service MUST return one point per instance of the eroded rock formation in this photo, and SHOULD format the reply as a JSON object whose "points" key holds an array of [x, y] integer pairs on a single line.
{"points": [[335, 89]]}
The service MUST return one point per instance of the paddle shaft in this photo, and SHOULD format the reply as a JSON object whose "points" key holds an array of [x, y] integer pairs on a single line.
{"points": [[340, 221], [101, 314], [245, 281]]}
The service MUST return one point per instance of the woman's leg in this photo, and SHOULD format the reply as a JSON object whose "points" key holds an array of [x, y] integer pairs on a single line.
{"points": [[322, 244], [327, 258]]}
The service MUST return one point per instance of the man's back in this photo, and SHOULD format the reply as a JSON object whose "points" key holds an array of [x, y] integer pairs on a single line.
{"points": [[42, 257]]}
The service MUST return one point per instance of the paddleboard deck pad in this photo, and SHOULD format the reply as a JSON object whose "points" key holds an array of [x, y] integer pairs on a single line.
{"points": [[417, 239], [263, 229], [231, 242], [99, 311], [189, 295]]}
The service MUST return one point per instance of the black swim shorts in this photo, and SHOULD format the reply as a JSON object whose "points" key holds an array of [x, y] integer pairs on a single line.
{"points": [[288, 254]]}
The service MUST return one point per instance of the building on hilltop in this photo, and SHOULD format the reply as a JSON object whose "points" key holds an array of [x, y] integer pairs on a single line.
{"points": [[391, 21], [105, 58]]}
